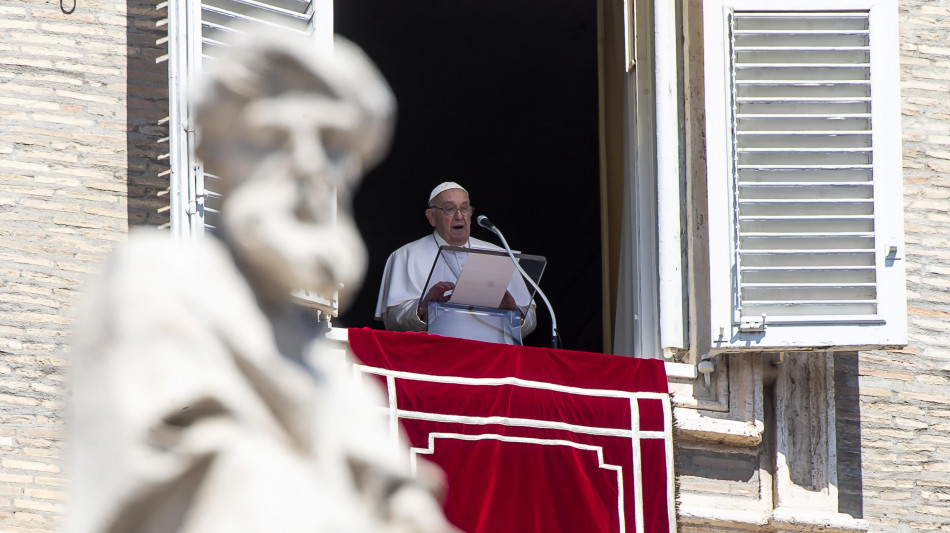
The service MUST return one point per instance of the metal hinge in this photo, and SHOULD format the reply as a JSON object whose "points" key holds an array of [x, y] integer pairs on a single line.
{"points": [[752, 325]]}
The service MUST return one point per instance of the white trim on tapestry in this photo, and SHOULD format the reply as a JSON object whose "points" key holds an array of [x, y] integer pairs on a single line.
{"points": [[618, 470]]}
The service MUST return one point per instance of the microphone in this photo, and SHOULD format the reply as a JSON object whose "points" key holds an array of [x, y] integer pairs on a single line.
{"points": [[485, 223]]}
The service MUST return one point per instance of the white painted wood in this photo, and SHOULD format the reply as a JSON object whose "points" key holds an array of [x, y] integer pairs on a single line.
{"points": [[197, 31], [668, 170], [803, 171], [183, 57]]}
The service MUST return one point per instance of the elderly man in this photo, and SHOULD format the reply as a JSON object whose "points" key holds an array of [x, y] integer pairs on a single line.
{"points": [[399, 305]]}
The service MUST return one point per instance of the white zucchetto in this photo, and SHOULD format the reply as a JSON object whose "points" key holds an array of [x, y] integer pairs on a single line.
{"points": [[444, 186]]}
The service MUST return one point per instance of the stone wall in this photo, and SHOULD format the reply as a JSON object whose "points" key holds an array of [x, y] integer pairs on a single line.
{"points": [[904, 400], [82, 99]]}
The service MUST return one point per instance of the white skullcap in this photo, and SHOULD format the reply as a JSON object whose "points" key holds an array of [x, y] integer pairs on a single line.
{"points": [[444, 186]]}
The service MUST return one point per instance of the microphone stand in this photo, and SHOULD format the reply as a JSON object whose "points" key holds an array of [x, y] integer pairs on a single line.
{"points": [[555, 337]]}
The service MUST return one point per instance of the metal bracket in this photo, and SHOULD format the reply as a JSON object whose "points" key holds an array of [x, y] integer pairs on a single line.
{"points": [[752, 325], [706, 367]]}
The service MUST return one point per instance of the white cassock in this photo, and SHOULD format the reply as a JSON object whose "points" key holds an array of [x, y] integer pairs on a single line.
{"points": [[407, 270]]}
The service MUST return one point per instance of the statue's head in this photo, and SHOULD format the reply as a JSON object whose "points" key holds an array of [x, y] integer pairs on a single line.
{"points": [[288, 129]]}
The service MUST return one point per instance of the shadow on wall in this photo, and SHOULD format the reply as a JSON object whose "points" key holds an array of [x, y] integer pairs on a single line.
{"points": [[848, 432], [146, 112]]}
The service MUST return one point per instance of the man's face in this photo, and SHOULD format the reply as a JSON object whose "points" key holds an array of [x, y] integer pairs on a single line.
{"points": [[454, 229]]}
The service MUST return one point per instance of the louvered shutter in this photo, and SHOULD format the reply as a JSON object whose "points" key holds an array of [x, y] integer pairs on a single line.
{"points": [[196, 32], [804, 178]]}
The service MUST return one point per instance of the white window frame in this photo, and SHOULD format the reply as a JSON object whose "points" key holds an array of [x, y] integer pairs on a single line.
{"points": [[726, 330], [186, 42], [185, 59]]}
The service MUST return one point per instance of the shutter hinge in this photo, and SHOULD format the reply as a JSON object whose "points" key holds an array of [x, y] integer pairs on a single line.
{"points": [[752, 325]]}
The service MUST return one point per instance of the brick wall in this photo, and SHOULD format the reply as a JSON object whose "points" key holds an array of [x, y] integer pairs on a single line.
{"points": [[905, 404], [81, 100]]}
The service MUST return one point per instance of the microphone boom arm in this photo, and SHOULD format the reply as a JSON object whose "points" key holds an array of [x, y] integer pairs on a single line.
{"points": [[555, 337]]}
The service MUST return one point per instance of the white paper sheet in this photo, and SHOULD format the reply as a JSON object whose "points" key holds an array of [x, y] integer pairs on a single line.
{"points": [[484, 280]]}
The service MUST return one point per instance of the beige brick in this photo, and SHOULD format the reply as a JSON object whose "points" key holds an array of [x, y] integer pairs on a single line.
{"points": [[93, 196], [28, 103], [934, 50], [43, 433], [22, 516], [939, 166], [45, 494], [25, 260], [47, 205], [29, 465], [12, 11], [890, 434], [46, 453], [934, 510], [26, 62], [63, 119], [48, 76], [14, 344], [47, 51], [10, 491], [43, 277], [39, 506], [23, 166], [887, 374], [107, 72], [937, 467], [923, 397], [932, 380], [18, 419], [18, 400], [49, 155], [74, 267], [102, 99], [46, 389], [83, 223], [50, 481], [896, 495], [73, 29], [51, 361], [36, 346], [921, 311], [21, 479], [914, 457], [40, 318], [111, 213], [10, 24], [14, 385]]}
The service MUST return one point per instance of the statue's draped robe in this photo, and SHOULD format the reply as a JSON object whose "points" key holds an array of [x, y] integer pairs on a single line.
{"points": [[187, 414]]}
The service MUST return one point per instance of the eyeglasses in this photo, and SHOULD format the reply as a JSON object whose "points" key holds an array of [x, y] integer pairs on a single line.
{"points": [[450, 210]]}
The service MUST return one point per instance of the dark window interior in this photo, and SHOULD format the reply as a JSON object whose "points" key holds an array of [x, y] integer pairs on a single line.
{"points": [[502, 98]]}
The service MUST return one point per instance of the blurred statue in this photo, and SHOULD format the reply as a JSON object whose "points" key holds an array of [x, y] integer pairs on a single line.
{"points": [[201, 398]]}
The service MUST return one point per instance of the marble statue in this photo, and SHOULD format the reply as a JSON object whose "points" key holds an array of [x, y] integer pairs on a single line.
{"points": [[200, 397]]}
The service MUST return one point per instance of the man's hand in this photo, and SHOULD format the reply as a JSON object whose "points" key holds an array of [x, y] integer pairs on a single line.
{"points": [[435, 294], [508, 302]]}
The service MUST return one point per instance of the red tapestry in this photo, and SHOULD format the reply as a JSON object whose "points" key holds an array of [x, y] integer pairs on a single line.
{"points": [[531, 439]]}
